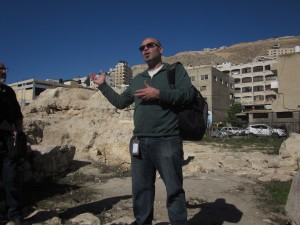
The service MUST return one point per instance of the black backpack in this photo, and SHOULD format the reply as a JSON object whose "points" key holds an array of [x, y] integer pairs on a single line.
{"points": [[192, 117]]}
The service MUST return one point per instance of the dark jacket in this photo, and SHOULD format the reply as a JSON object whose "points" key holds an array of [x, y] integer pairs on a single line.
{"points": [[9, 106], [154, 118]]}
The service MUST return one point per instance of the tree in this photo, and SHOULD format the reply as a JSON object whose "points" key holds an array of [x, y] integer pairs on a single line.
{"points": [[87, 81], [232, 118]]}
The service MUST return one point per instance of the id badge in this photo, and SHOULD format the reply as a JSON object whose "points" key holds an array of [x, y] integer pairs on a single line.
{"points": [[135, 147]]}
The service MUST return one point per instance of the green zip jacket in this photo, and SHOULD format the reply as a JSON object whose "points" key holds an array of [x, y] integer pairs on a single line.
{"points": [[154, 118]]}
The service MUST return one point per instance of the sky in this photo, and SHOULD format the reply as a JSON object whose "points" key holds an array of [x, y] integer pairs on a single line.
{"points": [[62, 39]]}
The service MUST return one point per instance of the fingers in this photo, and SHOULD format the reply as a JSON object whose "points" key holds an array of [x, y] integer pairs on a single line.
{"points": [[146, 84]]}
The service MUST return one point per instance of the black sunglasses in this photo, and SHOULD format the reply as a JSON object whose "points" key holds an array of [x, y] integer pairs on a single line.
{"points": [[4, 68], [149, 45]]}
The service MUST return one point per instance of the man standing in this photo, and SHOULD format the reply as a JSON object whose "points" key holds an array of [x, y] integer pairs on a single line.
{"points": [[11, 123], [156, 144]]}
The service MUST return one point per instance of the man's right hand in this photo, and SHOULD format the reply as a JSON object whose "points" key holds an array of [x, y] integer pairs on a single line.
{"points": [[98, 79]]}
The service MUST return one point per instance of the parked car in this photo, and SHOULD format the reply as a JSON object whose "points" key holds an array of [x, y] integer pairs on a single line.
{"points": [[218, 133], [233, 130], [264, 130]]}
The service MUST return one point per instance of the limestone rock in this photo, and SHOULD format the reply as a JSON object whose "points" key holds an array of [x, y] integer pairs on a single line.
{"points": [[293, 203]]}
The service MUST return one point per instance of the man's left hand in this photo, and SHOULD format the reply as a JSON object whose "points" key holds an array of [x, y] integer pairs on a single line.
{"points": [[147, 93]]}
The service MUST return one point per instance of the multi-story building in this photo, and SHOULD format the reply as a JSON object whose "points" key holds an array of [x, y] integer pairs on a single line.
{"points": [[269, 90], [216, 87], [276, 50], [121, 74], [253, 83]]}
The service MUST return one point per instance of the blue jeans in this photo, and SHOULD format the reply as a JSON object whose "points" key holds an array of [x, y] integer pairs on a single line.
{"points": [[10, 174], [162, 154]]}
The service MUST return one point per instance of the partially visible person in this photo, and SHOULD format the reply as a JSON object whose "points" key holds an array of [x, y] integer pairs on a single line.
{"points": [[156, 144], [11, 123]]}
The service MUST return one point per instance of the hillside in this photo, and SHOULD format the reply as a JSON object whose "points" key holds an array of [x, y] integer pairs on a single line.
{"points": [[238, 53]]}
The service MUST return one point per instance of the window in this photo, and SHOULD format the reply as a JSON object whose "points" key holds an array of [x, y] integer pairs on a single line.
{"points": [[202, 88], [215, 78], [221, 80], [258, 78], [204, 77], [258, 88], [192, 78], [260, 115], [267, 67], [247, 80], [284, 114], [246, 70], [237, 90], [259, 98], [246, 89], [235, 72], [258, 69], [271, 77], [237, 80]]}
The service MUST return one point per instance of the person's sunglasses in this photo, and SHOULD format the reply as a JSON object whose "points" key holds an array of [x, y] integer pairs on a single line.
{"points": [[4, 68], [149, 45]]}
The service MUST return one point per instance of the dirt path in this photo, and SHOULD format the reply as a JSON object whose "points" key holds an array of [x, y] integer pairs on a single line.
{"points": [[217, 198], [214, 197]]}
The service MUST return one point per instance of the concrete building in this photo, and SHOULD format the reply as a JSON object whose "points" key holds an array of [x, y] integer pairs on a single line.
{"points": [[216, 87], [269, 90], [121, 74], [276, 50], [252, 83], [28, 90]]}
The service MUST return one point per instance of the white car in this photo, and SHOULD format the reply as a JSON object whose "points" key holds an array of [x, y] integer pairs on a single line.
{"points": [[232, 130], [264, 130]]}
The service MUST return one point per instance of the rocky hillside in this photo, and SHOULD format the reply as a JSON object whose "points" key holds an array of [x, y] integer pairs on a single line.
{"points": [[238, 53]]}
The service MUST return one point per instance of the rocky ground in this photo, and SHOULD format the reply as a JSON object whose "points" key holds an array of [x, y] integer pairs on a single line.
{"points": [[95, 193]]}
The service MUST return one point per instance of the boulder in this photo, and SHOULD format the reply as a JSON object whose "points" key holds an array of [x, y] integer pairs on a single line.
{"points": [[293, 203]]}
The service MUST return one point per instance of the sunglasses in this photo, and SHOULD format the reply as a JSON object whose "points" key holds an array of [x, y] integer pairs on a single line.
{"points": [[149, 45], [3, 68]]}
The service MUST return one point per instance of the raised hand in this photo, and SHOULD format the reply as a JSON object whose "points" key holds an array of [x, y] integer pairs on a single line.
{"points": [[147, 93], [98, 79]]}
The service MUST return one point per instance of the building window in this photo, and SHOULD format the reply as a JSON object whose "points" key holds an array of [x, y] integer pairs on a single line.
{"points": [[271, 77], [258, 69], [246, 89], [192, 78], [215, 78], [221, 80], [284, 114], [260, 115], [258, 88], [258, 98], [202, 88], [204, 77], [237, 90], [247, 80], [237, 80], [246, 70], [235, 72], [258, 78]]}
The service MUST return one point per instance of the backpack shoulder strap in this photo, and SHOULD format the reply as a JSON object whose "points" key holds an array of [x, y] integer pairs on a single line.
{"points": [[171, 74]]}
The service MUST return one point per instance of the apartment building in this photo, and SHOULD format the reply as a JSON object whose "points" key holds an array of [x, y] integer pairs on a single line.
{"points": [[121, 74], [253, 83], [216, 87], [276, 50]]}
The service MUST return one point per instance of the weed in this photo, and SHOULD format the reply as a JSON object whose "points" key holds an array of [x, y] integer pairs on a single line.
{"points": [[273, 195], [263, 144]]}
